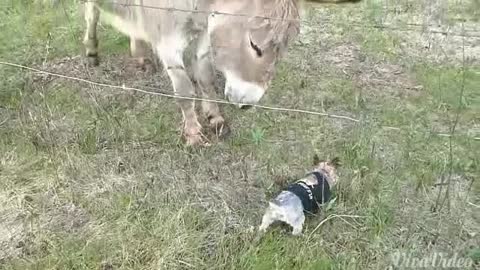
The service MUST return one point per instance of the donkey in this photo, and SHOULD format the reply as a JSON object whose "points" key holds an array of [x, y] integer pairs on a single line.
{"points": [[245, 47]]}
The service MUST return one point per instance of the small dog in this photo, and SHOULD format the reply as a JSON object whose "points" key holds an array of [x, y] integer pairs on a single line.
{"points": [[304, 195]]}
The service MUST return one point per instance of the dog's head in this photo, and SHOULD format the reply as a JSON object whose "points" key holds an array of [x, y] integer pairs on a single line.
{"points": [[328, 167]]}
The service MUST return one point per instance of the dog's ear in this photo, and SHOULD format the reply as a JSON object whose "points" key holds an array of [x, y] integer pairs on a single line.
{"points": [[316, 160], [336, 162]]}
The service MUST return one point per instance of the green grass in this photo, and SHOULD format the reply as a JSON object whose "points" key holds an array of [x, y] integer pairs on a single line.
{"points": [[93, 178]]}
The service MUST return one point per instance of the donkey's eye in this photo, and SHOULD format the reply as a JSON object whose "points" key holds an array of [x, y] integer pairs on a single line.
{"points": [[256, 48]]}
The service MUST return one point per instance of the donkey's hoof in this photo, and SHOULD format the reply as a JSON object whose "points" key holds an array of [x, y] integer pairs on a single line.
{"points": [[195, 140], [93, 60], [220, 127], [144, 64], [297, 232], [135, 65]]}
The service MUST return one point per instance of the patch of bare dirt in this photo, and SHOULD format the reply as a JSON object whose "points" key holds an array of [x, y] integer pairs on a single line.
{"points": [[325, 48], [379, 78], [117, 70], [436, 47]]}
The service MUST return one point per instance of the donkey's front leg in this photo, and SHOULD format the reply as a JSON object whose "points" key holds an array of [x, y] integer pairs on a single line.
{"points": [[138, 51], [90, 41], [204, 73], [171, 57]]}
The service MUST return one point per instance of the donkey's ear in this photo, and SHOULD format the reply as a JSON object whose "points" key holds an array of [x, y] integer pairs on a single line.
{"points": [[336, 162], [316, 160]]}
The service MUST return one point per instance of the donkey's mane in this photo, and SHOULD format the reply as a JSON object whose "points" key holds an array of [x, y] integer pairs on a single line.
{"points": [[285, 15]]}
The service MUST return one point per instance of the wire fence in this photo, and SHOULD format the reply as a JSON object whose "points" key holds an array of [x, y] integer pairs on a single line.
{"points": [[402, 26], [464, 33], [415, 27], [218, 101]]}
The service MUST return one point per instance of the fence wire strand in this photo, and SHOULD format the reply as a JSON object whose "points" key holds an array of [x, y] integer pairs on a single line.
{"points": [[123, 87]]}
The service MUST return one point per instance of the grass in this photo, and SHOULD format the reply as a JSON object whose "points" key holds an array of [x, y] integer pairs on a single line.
{"points": [[99, 179]]}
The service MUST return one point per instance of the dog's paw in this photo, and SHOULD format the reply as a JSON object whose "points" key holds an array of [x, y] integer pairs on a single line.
{"points": [[297, 232]]}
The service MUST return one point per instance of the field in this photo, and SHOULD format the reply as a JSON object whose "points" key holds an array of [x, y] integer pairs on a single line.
{"points": [[99, 178]]}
